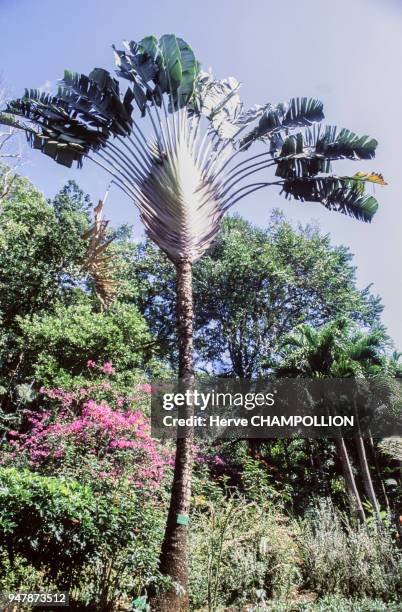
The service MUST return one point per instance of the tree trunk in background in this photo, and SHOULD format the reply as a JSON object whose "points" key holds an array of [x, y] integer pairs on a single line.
{"points": [[378, 472], [350, 479], [366, 476], [364, 467], [174, 554]]}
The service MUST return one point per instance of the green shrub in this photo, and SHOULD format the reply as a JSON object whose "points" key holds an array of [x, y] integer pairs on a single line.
{"points": [[240, 553], [333, 603], [351, 561], [100, 545], [47, 521]]}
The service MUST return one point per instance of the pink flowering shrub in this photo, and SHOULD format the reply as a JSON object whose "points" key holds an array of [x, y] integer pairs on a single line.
{"points": [[102, 386], [89, 437]]}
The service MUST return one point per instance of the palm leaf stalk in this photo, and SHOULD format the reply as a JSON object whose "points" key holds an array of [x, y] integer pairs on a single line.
{"points": [[184, 168]]}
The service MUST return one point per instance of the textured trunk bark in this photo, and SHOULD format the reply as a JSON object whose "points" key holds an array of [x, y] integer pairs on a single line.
{"points": [[350, 479], [174, 554]]}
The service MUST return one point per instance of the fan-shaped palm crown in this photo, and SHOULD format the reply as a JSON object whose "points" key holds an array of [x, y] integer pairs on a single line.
{"points": [[183, 169]]}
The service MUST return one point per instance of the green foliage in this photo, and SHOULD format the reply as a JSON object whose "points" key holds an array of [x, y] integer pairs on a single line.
{"points": [[268, 281], [50, 323], [41, 247], [350, 561], [338, 349], [240, 552], [41, 256], [155, 67], [334, 193], [87, 110], [101, 543], [334, 603], [58, 345], [48, 522], [79, 119]]}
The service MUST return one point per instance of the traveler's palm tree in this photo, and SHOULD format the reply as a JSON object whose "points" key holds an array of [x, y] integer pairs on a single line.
{"points": [[178, 144]]}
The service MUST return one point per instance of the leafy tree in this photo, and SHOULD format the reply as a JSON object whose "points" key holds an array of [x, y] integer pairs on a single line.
{"points": [[252, 287], [41, 248], [41, 255], [56, 346], [338, 350], [79, 538], [51, 323], [183, 184]]}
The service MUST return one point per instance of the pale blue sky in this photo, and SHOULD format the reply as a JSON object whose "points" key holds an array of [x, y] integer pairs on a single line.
{"points": [[347, 53]]}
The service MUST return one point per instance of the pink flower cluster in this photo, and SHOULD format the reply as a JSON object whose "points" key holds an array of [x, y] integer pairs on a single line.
{"points": [[118, 441], [70, 399], [106, 368]]}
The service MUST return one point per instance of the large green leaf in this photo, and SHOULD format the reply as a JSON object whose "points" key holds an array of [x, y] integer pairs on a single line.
{"points": [[334, 193], [310, 153], [157, 67], [298, 112], [55, 128], [190, 70], [97, 97], [169, 61]]}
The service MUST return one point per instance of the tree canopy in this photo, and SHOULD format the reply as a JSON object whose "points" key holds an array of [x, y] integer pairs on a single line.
{"points": [[252, 287]]}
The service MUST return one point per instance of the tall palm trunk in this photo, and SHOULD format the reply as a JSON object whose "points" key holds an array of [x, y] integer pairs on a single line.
{"points": [[366, 476], [174, 555], [364, 467], [378, 472], [350, 479]]}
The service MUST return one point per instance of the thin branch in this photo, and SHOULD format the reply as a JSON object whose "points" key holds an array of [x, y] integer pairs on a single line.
{"points": [[232, 181], [125, 166]]}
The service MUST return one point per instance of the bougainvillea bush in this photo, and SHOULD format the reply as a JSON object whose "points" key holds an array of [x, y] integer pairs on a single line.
{"points": [[92, 445], [93, 434]]}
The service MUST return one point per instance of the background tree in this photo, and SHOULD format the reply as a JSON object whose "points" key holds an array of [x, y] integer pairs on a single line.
{"points": [[340, 350], [253, 286], [41, 254], [185, 177], [51, 322]]}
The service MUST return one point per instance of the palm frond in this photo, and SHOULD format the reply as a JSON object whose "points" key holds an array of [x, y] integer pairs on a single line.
{"points": [[55, 129], [334, 193], [344, 144], [82, 116], [97, 98], [296, 113], [310, 153]]}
